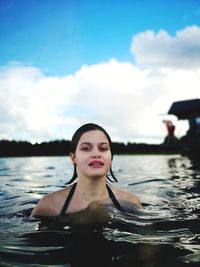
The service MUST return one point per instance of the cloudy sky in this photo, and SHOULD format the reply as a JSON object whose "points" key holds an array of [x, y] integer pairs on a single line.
{"points": [[120, 64]]}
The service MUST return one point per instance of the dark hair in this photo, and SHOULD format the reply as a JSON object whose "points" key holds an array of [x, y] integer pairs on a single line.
{"points": [[75, 139]]}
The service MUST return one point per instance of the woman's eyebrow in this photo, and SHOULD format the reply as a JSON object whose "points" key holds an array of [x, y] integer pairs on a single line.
{"points": [[88, 143], [104, 143]]}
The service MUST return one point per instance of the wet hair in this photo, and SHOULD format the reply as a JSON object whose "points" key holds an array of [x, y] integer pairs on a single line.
{"points": [[74, 142]]}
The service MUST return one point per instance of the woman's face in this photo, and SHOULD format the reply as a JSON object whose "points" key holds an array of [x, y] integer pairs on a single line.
{"points": [[92, 156]]}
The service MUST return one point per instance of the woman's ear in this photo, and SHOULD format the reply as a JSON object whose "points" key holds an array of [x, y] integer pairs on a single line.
{"points": [[72, 157]]}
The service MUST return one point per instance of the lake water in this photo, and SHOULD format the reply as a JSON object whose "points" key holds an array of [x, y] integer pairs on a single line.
{"points": [[165, 234]]}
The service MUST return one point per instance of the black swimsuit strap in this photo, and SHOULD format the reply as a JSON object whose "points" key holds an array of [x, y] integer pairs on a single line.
{"points": [[68, 199], [113, 198], [71, 192]]}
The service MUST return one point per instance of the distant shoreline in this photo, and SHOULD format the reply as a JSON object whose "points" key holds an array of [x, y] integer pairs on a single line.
{"points": [[62, 148]]}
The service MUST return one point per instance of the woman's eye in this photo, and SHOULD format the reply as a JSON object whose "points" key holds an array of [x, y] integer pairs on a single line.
{"points": [[86, 148], [103, 148]]}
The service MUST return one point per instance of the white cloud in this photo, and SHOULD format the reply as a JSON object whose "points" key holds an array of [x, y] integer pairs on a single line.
{"points": [[125, 99], [161, 50], [32, 104]]}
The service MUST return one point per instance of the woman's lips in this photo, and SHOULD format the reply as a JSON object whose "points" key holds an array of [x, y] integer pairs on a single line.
{"points": [[96, 164]]}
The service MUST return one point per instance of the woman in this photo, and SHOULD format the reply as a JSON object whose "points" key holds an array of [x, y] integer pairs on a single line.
{"points": [[91, 155]]}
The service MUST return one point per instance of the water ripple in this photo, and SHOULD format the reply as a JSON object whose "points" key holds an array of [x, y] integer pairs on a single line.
{"points": [[165, 233]]}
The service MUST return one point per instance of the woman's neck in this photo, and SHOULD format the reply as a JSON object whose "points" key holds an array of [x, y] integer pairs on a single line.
{"points": [[91, 189]]}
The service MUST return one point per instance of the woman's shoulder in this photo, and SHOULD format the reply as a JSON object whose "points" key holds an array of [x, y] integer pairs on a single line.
{"points": [[51, 203], [126, 196]]}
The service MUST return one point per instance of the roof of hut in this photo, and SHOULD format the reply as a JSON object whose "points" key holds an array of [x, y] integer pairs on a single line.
{"points": [[186, 109]]}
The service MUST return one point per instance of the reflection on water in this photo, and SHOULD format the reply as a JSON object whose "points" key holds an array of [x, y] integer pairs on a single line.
{"points": [[165, 233]]}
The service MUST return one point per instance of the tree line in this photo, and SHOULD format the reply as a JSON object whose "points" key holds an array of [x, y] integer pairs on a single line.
{"points": [[62, 148]]}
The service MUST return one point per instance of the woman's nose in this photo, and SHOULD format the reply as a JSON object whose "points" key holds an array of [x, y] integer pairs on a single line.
{"points": [[96, 153]]}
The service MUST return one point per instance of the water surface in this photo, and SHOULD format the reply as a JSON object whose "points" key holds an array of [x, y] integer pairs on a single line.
{"points": [[165, 233]]}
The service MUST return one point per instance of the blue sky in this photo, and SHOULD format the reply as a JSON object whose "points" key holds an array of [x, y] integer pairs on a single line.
{"points": [[61, 35], [70, 62]]}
